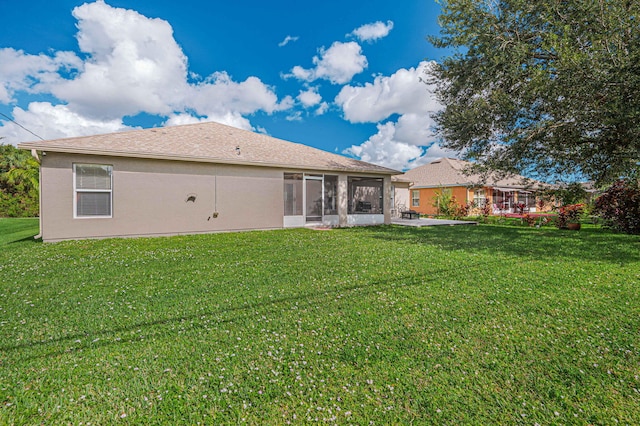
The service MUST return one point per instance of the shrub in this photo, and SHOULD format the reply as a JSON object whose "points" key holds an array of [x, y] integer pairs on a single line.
{"points": [[569, 214], [619, 206], [444, 202], [528, 219], [15, 205], [459, 211]]}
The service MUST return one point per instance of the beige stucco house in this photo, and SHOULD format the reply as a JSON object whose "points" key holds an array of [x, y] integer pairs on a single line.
{"points": [[200, 178]]}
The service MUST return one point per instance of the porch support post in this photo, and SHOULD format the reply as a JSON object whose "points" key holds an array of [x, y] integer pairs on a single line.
{"points": [[386, 199], [343, 200]]}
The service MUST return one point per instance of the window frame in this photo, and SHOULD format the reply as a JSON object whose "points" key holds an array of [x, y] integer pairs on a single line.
{"points": [[330, 195], [415, 200], [77, 191], [480, 197], [296, 203]]}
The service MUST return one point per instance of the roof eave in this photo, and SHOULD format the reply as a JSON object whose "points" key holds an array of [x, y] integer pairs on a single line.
{"points": [[156, 156]]}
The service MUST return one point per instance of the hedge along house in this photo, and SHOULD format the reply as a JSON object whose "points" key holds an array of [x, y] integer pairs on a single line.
{"points": [[200, 178], [446, 174]]}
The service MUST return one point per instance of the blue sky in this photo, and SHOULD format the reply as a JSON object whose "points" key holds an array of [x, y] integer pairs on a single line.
{"points": [[343, 76]]}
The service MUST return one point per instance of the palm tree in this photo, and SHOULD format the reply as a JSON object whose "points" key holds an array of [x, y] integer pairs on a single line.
{"points": [[19, 168]]}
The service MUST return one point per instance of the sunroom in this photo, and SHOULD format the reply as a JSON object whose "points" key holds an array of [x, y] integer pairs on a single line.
{"points": [[312, 199]]}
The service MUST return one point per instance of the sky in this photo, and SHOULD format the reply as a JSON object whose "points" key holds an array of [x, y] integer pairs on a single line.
{"points": [[343, 76]]}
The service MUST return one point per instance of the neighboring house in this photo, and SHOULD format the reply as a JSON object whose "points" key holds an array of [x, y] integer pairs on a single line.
{"points": [[200, 178], [446, 174]]}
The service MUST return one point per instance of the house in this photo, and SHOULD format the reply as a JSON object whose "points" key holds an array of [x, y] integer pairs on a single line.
{"points": [[200, 178], [502, 195]]}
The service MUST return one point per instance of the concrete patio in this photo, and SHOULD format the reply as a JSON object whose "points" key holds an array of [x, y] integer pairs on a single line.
{"points": [[418, 223]]}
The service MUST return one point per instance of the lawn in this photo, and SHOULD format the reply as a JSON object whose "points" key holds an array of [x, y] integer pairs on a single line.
{"points": [[384, 325], [16, 229]]}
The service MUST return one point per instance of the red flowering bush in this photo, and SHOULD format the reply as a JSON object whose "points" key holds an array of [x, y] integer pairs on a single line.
{"points": [[485, 210], [568, 214], [461, 210], [619, 206], [528, 219]]}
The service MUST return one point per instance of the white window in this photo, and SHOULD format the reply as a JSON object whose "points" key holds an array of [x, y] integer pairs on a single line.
{"points": [[415, 198], [479, 198], [92, 186]]}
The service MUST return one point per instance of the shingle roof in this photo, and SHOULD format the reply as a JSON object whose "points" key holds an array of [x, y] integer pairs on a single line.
{"points": [[208, 142], [446, 172]]}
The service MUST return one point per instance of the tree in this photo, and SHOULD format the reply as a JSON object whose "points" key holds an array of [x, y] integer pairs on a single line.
{"points": [[19, 181], [547, 89], [25, 173]]}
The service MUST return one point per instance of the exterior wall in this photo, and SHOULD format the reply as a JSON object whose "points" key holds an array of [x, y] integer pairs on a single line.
{"points": [[401, 198], [150, 198], [427, 196], [366, 219]]}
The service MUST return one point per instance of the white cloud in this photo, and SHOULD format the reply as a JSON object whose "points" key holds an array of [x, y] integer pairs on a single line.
{"points": [[55, 121], [31, 73], [287, 40], [434, 152], [219, 94], [383, 148], [401, 93], [229, 118], [391, 148], [133, 64], [323, 108], [372, 32], [310, 97], [399, 144], [415, 129], [337, 64], [294, 116]]}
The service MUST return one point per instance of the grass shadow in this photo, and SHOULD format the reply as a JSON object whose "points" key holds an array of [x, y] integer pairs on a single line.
{"points": [[591, 244], [16, 230], [26, 240]]}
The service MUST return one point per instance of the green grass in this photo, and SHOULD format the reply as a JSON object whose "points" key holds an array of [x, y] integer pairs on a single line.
{"points": [[12, 230], [445, 325]]}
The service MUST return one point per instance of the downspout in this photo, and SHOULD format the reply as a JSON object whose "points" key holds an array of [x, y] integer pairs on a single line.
{"points": [[215, 193], [34, 154]]}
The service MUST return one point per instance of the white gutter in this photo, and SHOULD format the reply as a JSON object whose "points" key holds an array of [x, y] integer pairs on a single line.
{"points": [[34, 154]]}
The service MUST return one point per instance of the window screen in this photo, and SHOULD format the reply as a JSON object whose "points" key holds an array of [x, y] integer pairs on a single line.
{"points": [[93, 190]]}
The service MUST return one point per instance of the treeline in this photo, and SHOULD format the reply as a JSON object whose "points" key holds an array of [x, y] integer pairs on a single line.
{"points": [[19, 181]]}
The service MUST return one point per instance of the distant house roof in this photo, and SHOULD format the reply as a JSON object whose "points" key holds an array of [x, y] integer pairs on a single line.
{"points": [[208, 142], [400, 179], [446, 172]]}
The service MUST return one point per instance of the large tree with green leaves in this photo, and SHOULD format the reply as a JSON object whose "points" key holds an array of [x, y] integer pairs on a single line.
{"points": [[19, 181], [547, 88]]}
